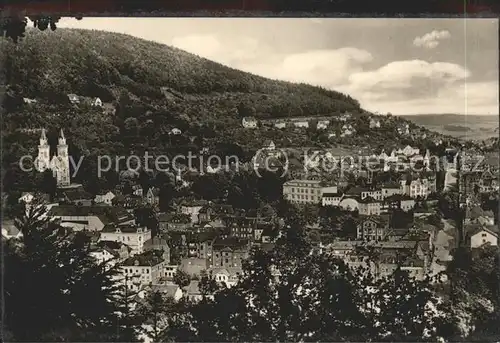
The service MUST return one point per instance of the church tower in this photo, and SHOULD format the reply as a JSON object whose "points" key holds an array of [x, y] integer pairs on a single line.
{"points": [[43, 159], [62, 172]]}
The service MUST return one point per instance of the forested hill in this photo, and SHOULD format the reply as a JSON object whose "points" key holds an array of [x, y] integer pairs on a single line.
{"points": [[96, 63]]}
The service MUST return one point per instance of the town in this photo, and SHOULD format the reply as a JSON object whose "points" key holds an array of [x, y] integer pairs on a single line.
{"points": [[396, 216]]}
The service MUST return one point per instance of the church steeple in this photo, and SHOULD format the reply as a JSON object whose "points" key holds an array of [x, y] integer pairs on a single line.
{"points": [[62, 140], [43, 138]]}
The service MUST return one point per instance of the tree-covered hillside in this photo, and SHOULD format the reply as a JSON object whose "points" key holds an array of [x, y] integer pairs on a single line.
{"points": [[96, 63], [153, 87]]}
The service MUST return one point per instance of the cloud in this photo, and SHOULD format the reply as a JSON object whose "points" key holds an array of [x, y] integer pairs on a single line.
{"points": [[399, 87], [216, 49], [431, 40], [406, 79], [326, 68]]}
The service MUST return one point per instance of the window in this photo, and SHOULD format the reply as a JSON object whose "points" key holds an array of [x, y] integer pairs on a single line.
{"points": [[483, 235], [226, 260]]}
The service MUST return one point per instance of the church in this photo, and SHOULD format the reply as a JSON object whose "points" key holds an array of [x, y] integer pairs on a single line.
{"points": [[59, 163]]}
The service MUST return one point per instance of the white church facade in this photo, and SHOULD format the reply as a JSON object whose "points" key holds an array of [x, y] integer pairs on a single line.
{"points": [[59, 163]]}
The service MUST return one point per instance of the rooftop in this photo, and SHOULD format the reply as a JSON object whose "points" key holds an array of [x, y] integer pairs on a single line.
{"points": [[146, 259], [107, 214]]}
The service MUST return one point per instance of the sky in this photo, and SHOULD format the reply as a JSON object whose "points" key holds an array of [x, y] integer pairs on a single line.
{"points": [[401, 66]]}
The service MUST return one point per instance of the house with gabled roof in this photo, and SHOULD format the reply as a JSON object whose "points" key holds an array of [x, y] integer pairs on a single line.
{"points": [[481, 235], [133, 235], [73, 98]]}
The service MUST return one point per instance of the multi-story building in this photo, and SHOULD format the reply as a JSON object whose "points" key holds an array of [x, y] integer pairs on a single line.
{"points": [[373, 193], [193, 208], [397, 201], [373, 228], [161, 244], [390, 189], [303, 191], [200, 244], [132, 235], [229, 252], [331, 199], [415, 187], [369, 206], [143, 269], [105, 198]]}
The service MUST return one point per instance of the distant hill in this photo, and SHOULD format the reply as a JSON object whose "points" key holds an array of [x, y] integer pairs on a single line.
{"points": [[470, 127]]}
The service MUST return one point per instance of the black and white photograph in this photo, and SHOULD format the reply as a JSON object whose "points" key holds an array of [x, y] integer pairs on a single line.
{"points": [[231, 179]]}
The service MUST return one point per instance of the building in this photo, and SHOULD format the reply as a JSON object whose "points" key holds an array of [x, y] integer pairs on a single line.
{"points": [[170, 271], [175, 131], [211, 211], [347, 130], [227, 276], [73, 98], [29, 101], [105, 251], [59, 164], [322, 124], [480, 236], [158, 243], [9, 230], [105, 198], [269, 145], [331, 199], [89, 218], [143, 269], [301, 123], [76, 197], [303, 191], [170, 290], [410, 151], [200, 244], [373, 228], [398, 201], [193, 293], [374, 123], [132, 235], [415, 187], [229, 252], [153, 196], [249, 122], [373, 193], [96, 102], [369, 206], [193, 208]]}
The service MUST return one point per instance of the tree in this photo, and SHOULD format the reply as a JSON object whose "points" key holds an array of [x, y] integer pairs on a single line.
{"points": [[48, 183], [49, 276], [181, 278], [152, 313]]}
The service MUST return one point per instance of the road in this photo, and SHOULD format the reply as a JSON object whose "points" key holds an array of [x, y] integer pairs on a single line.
{"points": [[444, 243]]}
